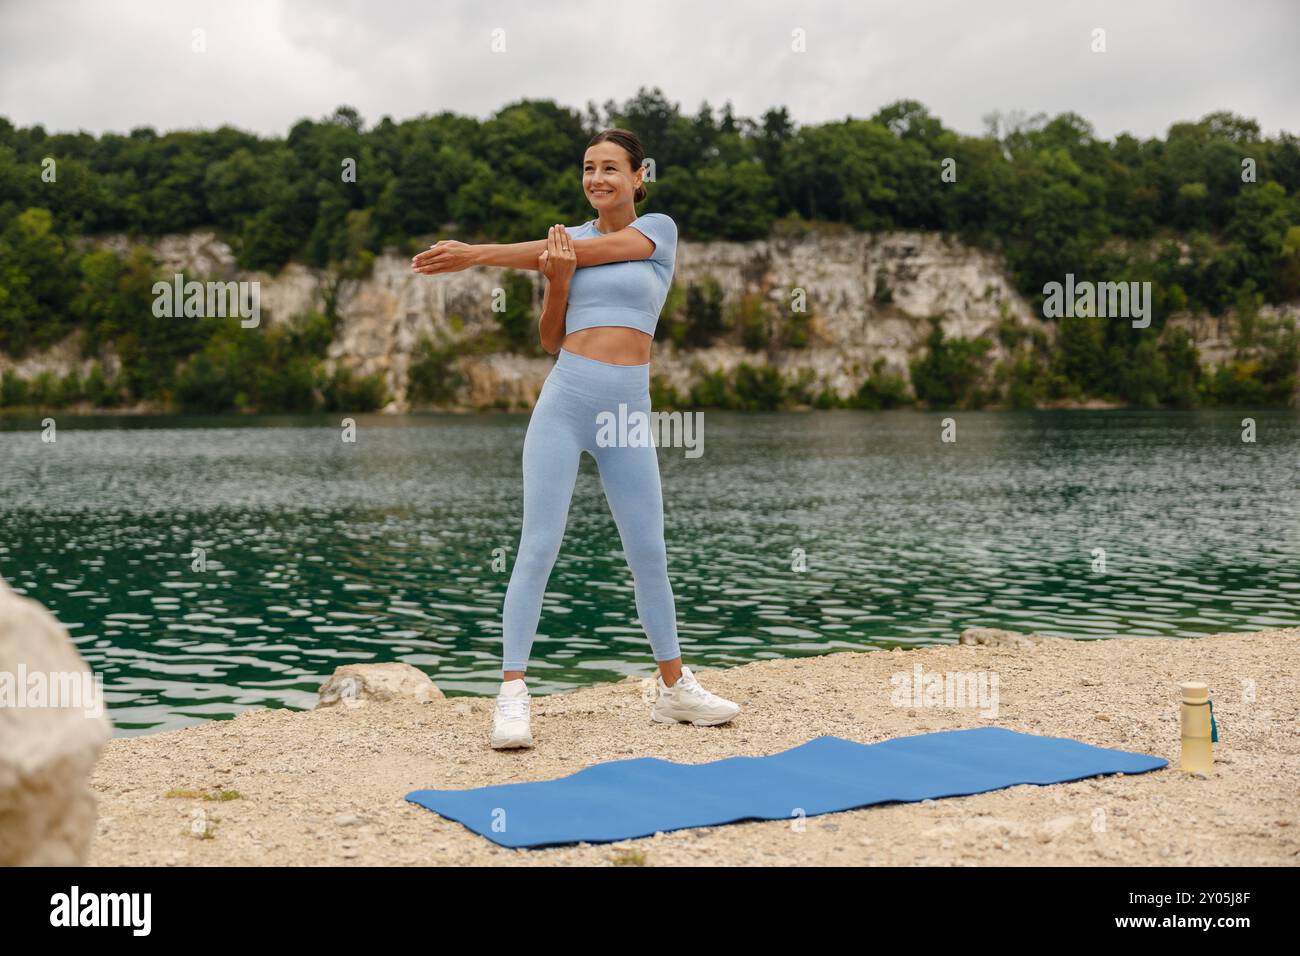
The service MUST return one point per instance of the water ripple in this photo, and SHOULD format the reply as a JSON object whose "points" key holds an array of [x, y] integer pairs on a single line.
{"points": [[795, 534]]}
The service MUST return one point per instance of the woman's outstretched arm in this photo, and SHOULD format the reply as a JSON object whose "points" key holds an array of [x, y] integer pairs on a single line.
{"points": [[451, 255]]}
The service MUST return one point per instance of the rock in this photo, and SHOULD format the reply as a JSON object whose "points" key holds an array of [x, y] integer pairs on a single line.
{"points": [[47, 810], [383, 318], [354, 684], [995, 638], [1051, 829]]}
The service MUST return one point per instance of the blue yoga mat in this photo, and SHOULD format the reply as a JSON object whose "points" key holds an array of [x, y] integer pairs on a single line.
{"points": [[644, 795]]}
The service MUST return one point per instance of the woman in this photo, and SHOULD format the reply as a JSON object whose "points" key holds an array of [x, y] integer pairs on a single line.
{"points": [[606, 283]]}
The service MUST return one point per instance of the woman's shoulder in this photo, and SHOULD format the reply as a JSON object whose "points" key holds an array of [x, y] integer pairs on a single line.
{"points": [[662, 224], [661, 216]]}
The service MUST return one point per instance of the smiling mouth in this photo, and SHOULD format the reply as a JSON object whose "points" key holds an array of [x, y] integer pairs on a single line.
{"points": [[601, 192]]}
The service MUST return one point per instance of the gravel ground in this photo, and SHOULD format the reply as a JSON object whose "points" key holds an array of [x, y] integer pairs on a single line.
{"points": [[327, 787]]}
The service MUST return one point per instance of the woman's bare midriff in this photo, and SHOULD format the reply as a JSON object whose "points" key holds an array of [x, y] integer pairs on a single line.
{"points": [[615, 344]]}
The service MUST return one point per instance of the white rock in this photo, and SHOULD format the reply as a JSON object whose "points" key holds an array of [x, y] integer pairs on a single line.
{"points": [[998, 638], [354, 684], [47, 812]]}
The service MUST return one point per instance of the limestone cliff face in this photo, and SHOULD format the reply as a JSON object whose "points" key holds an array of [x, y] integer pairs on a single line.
{"points": [[867, 296], [1213, 334]]}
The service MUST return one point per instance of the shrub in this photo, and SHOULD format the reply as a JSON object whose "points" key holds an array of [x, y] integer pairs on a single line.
{"points": [[881, 389], [759, 388], [951, 372], [346, 392], [704, 314], [13, 389], [433, 377], [750, 316]]}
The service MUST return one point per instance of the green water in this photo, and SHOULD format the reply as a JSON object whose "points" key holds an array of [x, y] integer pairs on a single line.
{"points": [[321, 553]]}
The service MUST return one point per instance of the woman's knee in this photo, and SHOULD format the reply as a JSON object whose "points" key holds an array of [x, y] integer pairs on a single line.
{"points": [[536, 558], [647, 556]]}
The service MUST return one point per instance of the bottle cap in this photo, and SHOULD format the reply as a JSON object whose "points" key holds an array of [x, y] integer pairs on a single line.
{"points": [[1194, 691]]}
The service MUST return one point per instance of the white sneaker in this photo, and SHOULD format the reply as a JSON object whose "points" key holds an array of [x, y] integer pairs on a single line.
{"points": [[510, 726], [687, 702]]}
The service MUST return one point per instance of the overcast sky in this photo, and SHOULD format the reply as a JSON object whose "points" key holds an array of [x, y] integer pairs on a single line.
{"points": [[98, 65]]}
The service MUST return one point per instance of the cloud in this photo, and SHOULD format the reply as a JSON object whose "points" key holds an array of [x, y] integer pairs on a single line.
{"points": [[95, 66]]}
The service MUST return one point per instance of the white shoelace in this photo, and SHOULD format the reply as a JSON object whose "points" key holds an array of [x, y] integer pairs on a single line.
{"points": [[690, 683], [515, 708]]}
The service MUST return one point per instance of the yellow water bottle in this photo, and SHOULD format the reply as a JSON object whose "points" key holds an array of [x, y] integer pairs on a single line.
{"points": [[1199, 730]]}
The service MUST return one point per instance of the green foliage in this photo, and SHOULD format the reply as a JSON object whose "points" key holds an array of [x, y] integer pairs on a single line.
{"points": [[882, 389], [672, 324], [13, 389], [951, 372], [1025, 385], [828, 399], [663, 395], [517, 321], [70, 390], [345, 391], [1182, 369], [1027, 376], [883, 294], [704, 313], [433, 378], [43, 390], [33, 283], [795, 329], [1262, 375], [749, 388], [270, 369], [758, 388], [750, 315], [101, 391], [241, 369], [801, 389], [1044, 191], [711, 390]]}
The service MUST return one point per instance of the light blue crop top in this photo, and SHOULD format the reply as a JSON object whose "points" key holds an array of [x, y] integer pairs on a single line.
{"points": [[624, 293]]}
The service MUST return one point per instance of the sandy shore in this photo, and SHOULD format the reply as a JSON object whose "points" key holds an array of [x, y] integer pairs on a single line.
{"points": [[327, 787]]}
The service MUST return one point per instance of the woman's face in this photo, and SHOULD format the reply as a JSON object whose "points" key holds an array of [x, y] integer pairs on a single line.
{"points": [[607, 177]]}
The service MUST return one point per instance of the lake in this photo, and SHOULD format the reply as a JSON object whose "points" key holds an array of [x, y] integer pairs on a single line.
{"points": [[793, 534]]}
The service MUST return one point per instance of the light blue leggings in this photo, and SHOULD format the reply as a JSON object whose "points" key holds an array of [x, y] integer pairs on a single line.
{"points": [[563, 425]]}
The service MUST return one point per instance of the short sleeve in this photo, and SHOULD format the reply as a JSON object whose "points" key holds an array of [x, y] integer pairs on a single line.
{"points": [[662, 231]]}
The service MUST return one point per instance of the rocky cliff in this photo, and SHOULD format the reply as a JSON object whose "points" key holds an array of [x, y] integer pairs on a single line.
{"points": [[867, 297]]}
